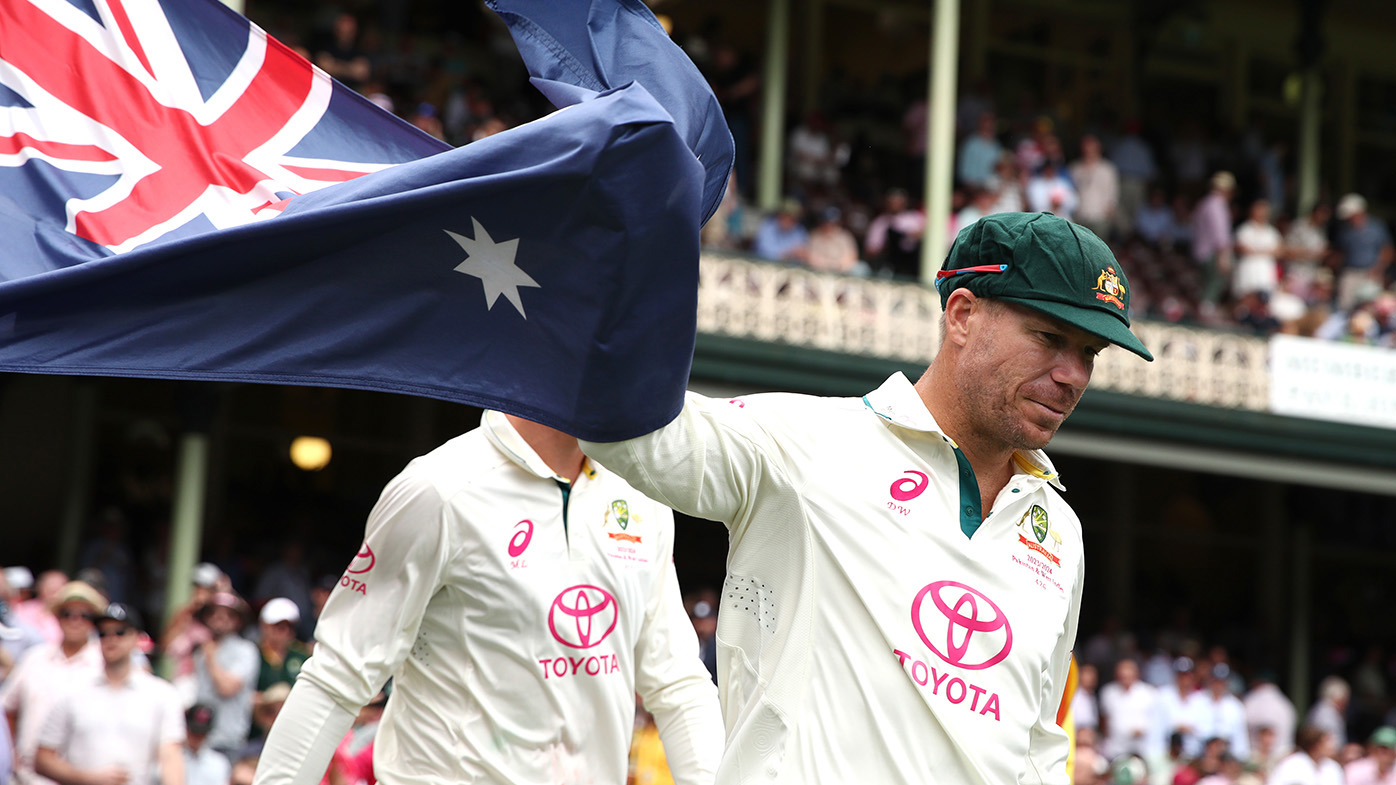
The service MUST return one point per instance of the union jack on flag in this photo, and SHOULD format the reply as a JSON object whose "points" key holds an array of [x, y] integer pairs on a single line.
{"points": [[129, 122]]}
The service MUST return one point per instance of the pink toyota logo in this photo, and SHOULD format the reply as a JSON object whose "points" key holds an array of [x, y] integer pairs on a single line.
{"points": [[582, 616], [359, 565], [972, 619]]}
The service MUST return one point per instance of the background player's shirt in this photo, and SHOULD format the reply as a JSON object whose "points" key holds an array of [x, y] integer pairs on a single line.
{"points": [[863, 635], [518, 616]]}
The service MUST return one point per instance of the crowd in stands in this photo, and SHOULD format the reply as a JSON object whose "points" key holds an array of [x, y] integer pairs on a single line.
{"points": [[1182, 713], [1205, 221]]}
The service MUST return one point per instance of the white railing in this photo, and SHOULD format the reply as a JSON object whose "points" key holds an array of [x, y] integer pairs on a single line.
{"points": [[872, 317]]}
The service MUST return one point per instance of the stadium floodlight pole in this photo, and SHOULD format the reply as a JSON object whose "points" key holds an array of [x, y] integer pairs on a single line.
{"points": [[940, 130], [1310, 109], [771, 174], [82, 438]]}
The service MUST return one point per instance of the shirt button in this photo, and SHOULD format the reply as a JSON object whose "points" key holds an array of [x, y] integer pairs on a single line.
{"points": [[969, 510], [1015, 490]]}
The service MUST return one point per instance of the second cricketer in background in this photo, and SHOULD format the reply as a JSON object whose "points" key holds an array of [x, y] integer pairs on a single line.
{"points": [[520, 597], [903, 577]]}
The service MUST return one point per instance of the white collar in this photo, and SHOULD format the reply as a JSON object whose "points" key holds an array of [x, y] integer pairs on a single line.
{"points": [[898, 402], [507, 440]]}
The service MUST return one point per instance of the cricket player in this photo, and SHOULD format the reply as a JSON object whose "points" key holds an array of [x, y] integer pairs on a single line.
{"points": [[520, 596], [903, 575]]}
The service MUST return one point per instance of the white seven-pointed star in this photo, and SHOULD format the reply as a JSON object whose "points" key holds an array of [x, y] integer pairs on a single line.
{"points": [[493, 264]]}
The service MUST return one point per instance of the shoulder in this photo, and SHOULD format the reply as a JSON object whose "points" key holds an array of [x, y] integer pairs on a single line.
{"points": [[455, 465]]}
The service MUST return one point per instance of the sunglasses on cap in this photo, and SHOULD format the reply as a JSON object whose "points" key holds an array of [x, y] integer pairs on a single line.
{"points": [[76, 615], [118, 633]]}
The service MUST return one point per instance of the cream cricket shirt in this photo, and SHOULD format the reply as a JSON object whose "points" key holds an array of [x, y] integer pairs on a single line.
{"points": [[864, 636], [518, 624]]}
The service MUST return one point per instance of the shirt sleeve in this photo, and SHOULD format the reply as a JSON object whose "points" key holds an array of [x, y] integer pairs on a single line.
{"points": [[172, 727], [1048, 744], [9, 688], [708, 462], [365, 632], [675, 685]]}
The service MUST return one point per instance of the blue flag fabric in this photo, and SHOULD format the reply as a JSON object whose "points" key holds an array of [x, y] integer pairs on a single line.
{"points": [[607, 43], [530, 271]]}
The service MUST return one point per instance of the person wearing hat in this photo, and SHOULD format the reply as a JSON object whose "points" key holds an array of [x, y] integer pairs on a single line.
{"points": [[185, 632], [282, 655], [202, 766], [116, 726], [903, 574], [45, 670], [1378, 767], [225, 670], [1362, 250], [781, 237]]}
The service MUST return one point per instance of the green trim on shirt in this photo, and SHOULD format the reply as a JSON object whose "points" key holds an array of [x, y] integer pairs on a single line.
{"points": [[971, 512]]}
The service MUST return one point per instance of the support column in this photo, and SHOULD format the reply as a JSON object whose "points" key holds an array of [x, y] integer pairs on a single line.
{"points": [[940, 144], [1310, 105], [78, 488], [771, 174], [198, 405], [1300, 605]]}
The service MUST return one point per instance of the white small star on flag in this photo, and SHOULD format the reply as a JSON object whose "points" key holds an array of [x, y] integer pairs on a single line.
{"points": [[493, 264]]}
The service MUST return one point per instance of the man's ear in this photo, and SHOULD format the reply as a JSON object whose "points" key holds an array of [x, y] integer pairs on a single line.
{"points": [[958, 307]]}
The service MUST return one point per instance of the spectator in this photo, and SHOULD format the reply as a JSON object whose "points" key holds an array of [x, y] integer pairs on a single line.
{"points": [[979, 153], [1007, 187], [185, 632], [1084, 710], [16, 637], [338, 53], [782, 237], [21, 582], [1098, 184], [33, 688], [1328, 713], [893, 242], [1090, 767], [1128, 714], [1179, 711], [1312, 763], [282, 654], [981, 203], [37, 612], [1229, 772], [226, 668], [1306, 247], [1134, 161], [816, 157], [288, 577], [1267, 707], [1379, 766], [1154, 223], [116, 726], [1361, 250], [832, 248], [264, 714], [1051, 191], [1219, 714], [1265, 754], [319, 594], [202, 766], [1211, 237], [1257, 244]]}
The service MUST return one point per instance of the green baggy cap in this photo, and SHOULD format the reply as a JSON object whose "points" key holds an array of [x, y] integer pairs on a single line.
{"points": [[1048, 264]]}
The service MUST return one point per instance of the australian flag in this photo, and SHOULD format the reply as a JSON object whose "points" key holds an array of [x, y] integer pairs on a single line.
{"points": [[182, 196]]}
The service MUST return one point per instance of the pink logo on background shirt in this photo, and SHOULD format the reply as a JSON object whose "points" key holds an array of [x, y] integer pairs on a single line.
{"points": [[363, 561], [582, 616], [973, 618]]}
